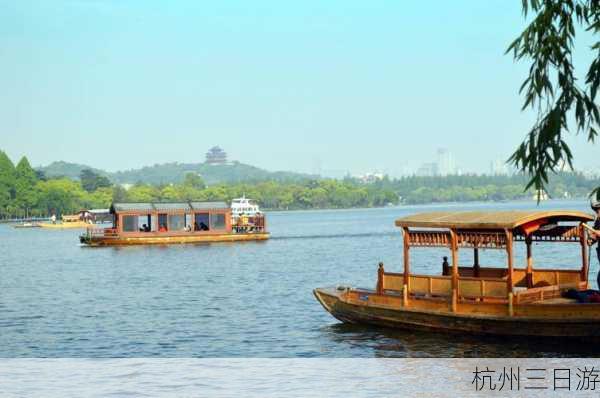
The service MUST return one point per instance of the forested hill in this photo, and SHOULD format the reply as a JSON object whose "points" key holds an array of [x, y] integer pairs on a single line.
{"points": [[168, 173], [69, 170]]}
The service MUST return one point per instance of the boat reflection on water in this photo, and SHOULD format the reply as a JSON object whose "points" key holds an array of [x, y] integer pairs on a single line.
{"points": [[400, 343]]}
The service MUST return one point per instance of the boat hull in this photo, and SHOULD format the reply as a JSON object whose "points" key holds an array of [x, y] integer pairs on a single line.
{"points": [[70, 225], [445, 321], [165, 240]]}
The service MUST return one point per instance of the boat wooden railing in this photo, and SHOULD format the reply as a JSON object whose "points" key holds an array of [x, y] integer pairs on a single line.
{"points": [[255, 223], [430, 285], [492, 272], [559, 277], [470, 288], [441, 286], [483, 272], [491, 289], [417, 284], [102, 232], [390, 281]]}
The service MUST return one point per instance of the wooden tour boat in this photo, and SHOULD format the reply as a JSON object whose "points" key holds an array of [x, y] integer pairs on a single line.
{"points": [[509, 300], [165, 223], [69, 221]]}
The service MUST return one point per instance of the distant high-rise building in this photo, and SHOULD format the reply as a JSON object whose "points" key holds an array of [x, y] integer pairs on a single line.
{"points": [[445, 162], [427, 170], [216, 155]]}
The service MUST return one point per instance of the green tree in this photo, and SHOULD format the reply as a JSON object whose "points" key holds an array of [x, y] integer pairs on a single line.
{"points": [[26, 195], [7, 184], [194, 180], [90, 181], [40, 175], [60, 196], [119, 194], [170, 193], [552, 87], [99, 199], [143, 193]]}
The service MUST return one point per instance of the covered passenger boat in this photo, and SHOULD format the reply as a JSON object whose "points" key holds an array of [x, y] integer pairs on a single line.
{"points": [[164, 223], [514, 299]]}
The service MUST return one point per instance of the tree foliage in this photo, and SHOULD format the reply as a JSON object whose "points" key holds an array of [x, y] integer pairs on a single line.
{"points": [[552, 87], [7, 182], [25, 181], [194, 180], [91, 181]]}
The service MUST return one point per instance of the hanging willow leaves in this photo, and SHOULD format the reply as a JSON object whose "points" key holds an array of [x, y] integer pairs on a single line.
{"points": [[551, 87]]}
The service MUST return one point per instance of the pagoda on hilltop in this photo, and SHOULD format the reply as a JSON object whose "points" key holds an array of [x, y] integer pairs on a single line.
{"points": [[216, 155]]}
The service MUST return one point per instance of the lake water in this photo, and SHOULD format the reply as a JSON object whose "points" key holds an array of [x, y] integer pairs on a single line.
{"points": [[59, 299]]}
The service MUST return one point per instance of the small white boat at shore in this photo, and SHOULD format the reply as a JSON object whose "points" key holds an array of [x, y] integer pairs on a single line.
{"points": [[27, 225]]}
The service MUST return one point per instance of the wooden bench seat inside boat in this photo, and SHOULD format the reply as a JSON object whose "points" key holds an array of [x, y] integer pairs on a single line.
{"points": [[545, 294]]}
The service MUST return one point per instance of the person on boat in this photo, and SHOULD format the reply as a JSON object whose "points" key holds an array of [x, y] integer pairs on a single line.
{"points": [[242, 222], [595, 236], [163, 228], [53, 218], [445, 266]]}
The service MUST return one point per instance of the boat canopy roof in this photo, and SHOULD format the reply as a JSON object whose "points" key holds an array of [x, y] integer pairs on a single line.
{"points": [[489, 220], [99, 211], [166, 206]]}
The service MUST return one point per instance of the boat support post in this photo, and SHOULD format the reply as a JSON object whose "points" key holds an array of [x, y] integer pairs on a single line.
{"points": [[406, 236], [454, 249], [380, 276], [585, 269]]}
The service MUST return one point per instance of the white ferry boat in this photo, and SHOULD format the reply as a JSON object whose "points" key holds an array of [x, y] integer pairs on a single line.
{"points": [[245, 206]]}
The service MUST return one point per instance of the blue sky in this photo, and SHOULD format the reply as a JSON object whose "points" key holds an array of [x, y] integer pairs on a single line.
{"points": [[341, 85]]}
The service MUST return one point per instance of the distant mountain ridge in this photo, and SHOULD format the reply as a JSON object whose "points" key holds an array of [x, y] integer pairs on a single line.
{"points": [[167, 173], [67, 169]]}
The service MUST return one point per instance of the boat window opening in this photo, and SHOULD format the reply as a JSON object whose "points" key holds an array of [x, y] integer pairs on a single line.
{"points": [[176, 222], [145, 223], [130, 223], [188, 222], [201, 222], [217, 221], [162, 223]]}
